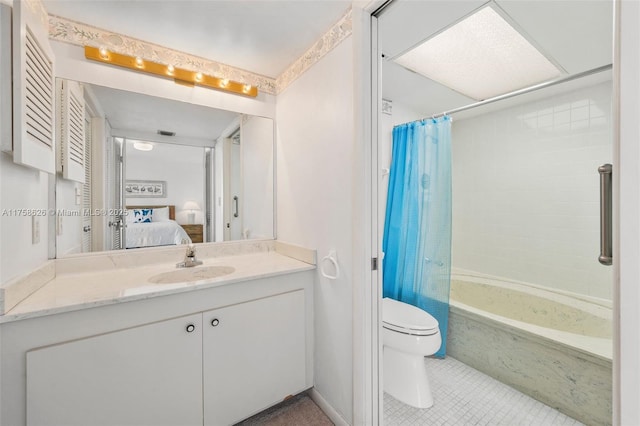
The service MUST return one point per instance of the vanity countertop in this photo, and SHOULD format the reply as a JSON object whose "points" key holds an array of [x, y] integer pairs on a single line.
{"points": [[80, 290]]}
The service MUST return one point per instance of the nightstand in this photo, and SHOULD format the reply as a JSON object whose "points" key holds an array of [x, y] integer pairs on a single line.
{"points": [[194, 232]]}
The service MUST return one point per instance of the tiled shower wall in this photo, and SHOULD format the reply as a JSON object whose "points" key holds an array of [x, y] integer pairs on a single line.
{"points": [[526, 191]]}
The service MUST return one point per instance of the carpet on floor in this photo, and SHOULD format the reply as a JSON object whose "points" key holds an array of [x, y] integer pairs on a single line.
{"points": [[299, 410]]}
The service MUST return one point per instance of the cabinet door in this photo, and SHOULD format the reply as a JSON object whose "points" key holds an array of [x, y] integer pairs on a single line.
{"points": [[147, 375], [254, 357], [33, 89]]}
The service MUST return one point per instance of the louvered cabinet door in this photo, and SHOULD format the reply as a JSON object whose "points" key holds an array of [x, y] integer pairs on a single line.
{"points": [[71, 130], [5, 79], [33, 89]]}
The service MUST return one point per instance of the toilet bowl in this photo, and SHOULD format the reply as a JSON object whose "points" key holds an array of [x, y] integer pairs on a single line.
{"points": [[408, 335]]}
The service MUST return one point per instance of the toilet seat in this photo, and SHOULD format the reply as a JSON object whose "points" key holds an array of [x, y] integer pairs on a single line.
{"points": [[407, 319]]}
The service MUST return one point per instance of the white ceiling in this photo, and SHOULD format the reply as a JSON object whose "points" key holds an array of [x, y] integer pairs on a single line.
{"points": [[265, 36], [148, 114], [262, 36], [577, 34]]}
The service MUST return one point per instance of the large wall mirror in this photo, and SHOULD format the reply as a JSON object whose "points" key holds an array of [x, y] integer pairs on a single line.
{"points": [[159, 172]]}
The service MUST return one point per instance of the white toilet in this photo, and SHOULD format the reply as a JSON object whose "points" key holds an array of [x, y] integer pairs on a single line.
{"points": [[408, 335]]}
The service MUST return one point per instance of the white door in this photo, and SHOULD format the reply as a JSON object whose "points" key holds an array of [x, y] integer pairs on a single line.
{"points": [[232, 188], [147, 375], [115, 197], [254, 356]]}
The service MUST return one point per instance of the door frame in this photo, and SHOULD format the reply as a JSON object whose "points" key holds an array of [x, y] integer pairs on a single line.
{"points": [[626, 180], [626, 153], [367, 281]]}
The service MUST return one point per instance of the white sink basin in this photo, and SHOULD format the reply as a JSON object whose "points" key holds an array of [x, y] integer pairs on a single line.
{"points": [[191, 274]]}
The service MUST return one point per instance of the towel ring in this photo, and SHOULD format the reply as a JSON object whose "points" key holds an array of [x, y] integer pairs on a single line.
{"points": [[331, 257]]}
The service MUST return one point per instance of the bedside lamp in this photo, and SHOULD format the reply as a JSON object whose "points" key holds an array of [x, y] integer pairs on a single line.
{"points": [[191, 207]]}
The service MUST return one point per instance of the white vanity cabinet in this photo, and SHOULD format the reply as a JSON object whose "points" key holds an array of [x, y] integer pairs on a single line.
{"points": [[213, 367], [147, 375], [254, 356]]}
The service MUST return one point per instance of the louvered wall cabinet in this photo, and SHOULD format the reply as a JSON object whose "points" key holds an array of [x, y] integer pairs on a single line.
{"points": [[33, 139]]}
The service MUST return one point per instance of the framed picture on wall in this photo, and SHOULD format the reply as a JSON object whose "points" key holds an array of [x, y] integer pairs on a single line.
{"points": [[145, 188]]}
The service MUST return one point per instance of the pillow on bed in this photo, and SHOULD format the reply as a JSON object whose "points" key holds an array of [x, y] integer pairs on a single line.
{"points": [[161, 214], [142, 215]]}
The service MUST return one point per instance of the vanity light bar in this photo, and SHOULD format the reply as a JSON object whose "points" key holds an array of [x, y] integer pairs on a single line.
{"points": [[180, 75]]}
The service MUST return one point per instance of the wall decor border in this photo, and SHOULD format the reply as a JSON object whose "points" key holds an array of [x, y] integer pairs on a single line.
{"points": [[79, 34], [332, 38]]}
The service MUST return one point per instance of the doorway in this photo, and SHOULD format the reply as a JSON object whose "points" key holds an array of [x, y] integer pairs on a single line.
{"points": [[502, 161]]}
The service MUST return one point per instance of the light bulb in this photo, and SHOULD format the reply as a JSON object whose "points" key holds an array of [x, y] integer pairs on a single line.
{"points": [[199, 76], [170, 69], [104, 53], [224, 82], [143, 146], [246, 88], [139, 62]]}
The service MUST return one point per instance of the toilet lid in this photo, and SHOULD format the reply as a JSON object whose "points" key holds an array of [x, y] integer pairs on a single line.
{"points": [[407, 318]]}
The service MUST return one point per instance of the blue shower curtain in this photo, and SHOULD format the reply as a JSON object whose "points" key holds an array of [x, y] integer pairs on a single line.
{"points": [[417, 229]]}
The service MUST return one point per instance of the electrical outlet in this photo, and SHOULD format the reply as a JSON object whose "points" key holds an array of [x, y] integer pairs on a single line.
{"points": [[35, 229]]}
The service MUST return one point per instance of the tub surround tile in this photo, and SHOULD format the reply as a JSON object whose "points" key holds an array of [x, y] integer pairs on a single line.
{"points": [[82, 282], [607, 303], [573, 382], [532, 218], [19, 289], [554, 319]]}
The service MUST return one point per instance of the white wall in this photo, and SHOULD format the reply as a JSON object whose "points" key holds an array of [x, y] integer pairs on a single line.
{"points": [[314, 204], [21, 188], [180, 166], [526, 191], [69, 240], [257, 181]]}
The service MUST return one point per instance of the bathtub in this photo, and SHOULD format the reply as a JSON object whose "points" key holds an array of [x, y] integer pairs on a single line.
{"points": [[552, 346]]}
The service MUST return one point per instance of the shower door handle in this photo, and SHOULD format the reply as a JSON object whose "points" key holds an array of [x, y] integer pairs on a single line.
{"points": [[606, 216]]}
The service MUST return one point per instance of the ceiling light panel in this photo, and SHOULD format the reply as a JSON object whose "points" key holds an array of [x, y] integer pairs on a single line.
{"points": [[481, 56]]}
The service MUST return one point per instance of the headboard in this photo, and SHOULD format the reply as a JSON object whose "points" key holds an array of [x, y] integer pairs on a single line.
{"points": [[172, 209]]}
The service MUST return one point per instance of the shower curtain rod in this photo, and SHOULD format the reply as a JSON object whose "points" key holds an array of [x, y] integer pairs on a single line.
{"points": [[523, 91]]}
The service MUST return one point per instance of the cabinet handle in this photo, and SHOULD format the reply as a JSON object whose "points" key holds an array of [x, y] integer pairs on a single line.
{"points": [[215, 322], [190, 328]]}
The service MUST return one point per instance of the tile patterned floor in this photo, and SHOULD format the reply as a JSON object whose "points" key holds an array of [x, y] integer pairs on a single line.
{"points": [[464, 396]]}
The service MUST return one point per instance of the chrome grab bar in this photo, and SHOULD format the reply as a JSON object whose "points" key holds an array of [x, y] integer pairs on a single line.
{"points": [[606, 217], [235, 207]]}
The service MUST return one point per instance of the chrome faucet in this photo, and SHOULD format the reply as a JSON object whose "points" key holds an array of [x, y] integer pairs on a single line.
{"points": [[189, 258]]}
